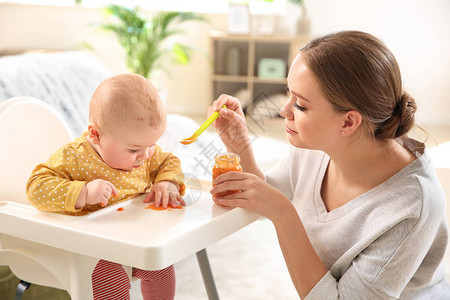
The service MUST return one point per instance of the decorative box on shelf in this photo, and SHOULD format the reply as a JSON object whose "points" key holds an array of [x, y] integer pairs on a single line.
{"points": [[272, 68]]}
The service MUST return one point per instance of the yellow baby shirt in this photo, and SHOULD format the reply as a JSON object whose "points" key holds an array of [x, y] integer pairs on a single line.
{"points": [[55, 185]]}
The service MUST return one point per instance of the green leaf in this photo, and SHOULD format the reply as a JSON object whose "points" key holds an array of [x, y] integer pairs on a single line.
{"points": [[181, 54], [297, 2]]}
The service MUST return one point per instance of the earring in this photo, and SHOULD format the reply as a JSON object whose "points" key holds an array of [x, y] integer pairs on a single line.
{"points": [[343, 132]]}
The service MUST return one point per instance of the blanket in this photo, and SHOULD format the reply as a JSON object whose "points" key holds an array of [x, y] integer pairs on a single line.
{"points": [[65, 80]]}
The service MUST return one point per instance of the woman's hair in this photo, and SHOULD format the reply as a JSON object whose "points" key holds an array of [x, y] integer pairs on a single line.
{"points": [[356, 71]]}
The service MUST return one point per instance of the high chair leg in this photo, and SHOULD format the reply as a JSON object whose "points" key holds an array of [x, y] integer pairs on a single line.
{"points": [[21, 288], [208, 279]]}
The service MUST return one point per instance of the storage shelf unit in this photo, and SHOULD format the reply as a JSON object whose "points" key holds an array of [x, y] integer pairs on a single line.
{"points": [[251, 50]]}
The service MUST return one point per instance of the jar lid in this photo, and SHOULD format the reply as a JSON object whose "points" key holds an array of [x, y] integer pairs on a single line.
{"points": [[227, 158]]}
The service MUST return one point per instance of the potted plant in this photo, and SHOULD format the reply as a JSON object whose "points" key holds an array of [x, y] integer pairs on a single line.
{"points": [[303, 23], [146, 41]]}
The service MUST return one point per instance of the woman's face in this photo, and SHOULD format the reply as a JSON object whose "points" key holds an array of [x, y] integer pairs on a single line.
{"points": [[310, 120]]}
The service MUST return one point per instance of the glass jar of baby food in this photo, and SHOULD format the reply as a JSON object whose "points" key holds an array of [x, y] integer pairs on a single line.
{"points": [[226, 162]]}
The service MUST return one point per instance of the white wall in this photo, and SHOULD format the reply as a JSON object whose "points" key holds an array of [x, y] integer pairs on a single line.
{"points": [[418, 33], [63, 28]]}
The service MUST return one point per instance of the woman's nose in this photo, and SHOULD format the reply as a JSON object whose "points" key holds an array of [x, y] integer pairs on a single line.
{"points": [[286, 111]]}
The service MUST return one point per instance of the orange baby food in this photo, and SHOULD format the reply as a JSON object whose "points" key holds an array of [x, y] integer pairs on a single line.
{"points": [[102, 204], [152, 206], [188, 141], [226, 162], [120, 209]]}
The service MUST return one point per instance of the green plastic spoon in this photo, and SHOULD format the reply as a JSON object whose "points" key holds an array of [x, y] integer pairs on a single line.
{"points": [[202, 128]]}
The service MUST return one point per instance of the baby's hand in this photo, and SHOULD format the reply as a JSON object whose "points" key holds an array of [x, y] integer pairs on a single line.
{"points": [[164, 193], [99, 191]]}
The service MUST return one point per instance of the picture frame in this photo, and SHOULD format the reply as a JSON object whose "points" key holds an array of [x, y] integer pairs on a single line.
{"points": [[238, 19]]}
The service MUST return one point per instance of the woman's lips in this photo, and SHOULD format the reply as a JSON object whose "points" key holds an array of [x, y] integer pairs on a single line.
{"points": [[288, 130]]}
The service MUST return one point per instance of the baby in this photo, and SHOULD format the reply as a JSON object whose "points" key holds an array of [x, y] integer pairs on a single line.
{"points": [[115, 160]]}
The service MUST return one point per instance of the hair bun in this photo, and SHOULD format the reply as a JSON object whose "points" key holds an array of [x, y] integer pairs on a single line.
{"points": [[402, 119], [407, 102]]}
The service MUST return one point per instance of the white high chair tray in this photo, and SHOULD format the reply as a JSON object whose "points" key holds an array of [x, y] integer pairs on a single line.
{"points": [[136, 236]]}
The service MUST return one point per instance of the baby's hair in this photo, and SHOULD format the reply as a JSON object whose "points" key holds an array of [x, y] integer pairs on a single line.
{"points": [[124, 97], [356, 71]]}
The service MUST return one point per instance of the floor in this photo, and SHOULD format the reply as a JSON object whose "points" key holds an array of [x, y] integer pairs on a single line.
{"points": [[249, 263]]}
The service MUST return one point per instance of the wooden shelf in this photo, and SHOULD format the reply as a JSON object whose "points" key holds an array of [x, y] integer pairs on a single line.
{"points": [[251, 49], [248, 79], [230, 78], [221, 35], [269, 81]]}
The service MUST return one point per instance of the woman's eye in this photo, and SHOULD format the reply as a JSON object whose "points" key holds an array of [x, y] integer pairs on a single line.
{"points": [[132, 151], [300, 108]]}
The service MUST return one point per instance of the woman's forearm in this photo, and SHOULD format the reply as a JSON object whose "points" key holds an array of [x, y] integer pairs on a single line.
{"points": [[304, 265]]}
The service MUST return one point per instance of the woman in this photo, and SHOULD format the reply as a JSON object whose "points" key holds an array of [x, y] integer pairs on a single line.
{"points": [[357, 206]]}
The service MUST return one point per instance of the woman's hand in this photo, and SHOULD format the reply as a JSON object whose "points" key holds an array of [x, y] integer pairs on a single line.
{"points": [[255, 194], [165, 193], [231, 124]]}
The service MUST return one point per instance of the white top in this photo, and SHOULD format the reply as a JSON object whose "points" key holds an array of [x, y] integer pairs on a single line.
{"points": [[388, 243]]}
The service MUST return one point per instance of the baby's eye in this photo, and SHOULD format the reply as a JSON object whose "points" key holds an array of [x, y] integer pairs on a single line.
{"points": [[132, 151], [300, 108]]}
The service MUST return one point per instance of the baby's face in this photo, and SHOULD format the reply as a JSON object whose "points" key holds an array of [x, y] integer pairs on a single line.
{"points": [[127, 146]]}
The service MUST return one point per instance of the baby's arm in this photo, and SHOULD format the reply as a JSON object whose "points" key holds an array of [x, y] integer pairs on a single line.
{"points": [[96, 191], [167, 179], [51, 186]]}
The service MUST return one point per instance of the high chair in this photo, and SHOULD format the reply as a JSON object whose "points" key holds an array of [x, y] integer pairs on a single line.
{"points": [[62, 251], [30, 131]]}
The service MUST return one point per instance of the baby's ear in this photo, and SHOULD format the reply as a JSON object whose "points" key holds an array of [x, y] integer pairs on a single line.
{"points": [[93, 132]]}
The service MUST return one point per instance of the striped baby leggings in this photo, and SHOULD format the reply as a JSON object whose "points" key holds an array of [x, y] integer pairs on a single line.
{"points": [[111, 282]]}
